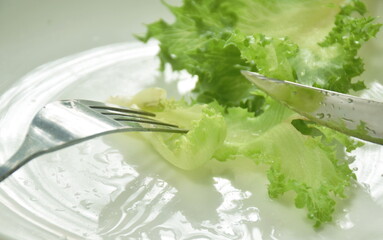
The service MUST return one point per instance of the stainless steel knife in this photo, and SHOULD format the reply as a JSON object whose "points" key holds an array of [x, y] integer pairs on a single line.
{"points": [[354, 116]]}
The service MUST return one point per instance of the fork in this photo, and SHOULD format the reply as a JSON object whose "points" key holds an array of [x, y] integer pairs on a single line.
{"points": [[64, 123], [354, 116]]}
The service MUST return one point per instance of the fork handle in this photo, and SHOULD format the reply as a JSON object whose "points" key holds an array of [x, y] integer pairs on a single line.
{"points": [[28, 150]]}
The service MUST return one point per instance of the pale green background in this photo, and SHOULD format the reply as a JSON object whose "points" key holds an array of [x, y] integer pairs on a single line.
{"points": [[33, 32]]}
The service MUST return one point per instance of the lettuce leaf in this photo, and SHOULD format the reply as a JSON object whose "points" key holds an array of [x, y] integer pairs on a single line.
{"points": [[312, 165], [206, 125], [313, 42]]}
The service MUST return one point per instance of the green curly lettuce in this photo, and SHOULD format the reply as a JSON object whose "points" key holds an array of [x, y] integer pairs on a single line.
{"points": [[313, 42], [302, 159]]}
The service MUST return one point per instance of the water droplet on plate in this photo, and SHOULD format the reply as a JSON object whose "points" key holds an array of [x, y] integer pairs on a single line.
{"points": [[366, 187], [252, 214], [320, 115], [160, 183], [371, 130], [33, 199], [86, 204], [348, 120], [85, 148]]}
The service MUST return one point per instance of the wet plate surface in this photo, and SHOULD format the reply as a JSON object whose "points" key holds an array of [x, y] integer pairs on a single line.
{"points": [[117, 187]]}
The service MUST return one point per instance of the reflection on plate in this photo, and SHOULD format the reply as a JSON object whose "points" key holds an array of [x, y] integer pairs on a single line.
{"points": [[117, 187]]}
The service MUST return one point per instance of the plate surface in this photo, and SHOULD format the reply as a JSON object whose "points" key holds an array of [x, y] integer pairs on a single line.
{"points": [[117, 187]]}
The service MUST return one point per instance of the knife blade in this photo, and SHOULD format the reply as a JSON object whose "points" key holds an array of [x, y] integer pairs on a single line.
{"points": [[354, 116]]}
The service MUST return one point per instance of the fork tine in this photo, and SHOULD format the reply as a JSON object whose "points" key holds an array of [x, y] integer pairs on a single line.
{"points": [[129, 115], [164, 129], [122, 114], [112, 107], [152, 125], [142, 120]]}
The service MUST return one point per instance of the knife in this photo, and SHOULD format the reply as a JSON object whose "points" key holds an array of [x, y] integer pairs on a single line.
{"points": [[354, 116]]}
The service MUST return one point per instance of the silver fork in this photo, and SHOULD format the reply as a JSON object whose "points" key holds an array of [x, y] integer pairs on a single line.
{"points": [[64, 123], [354, 116]]}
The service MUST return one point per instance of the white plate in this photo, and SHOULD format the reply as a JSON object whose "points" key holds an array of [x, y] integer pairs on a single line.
{"points": [[117, 187]]}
